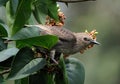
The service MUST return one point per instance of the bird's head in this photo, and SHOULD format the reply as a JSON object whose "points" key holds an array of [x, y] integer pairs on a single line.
{"points": [[86, 40]]}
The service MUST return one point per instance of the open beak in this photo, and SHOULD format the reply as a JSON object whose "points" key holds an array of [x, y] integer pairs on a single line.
{"points": [[95, 42]]}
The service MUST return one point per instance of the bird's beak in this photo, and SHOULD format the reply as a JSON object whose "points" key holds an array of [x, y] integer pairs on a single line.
{"points": [[95, 42]]}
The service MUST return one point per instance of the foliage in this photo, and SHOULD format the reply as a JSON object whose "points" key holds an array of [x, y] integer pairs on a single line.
{"points": [[21, 43]]}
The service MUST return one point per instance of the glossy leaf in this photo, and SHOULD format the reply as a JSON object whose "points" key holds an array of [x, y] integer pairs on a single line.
{"points": [[5, 54], [22, 81], [63, 74], [3, 30], [11, 8], [23, 57], [3, 2], [32, 20], [2, 44], [38, 78], [35, 65], [53, 9], [25, 33], [22, 15], [45, 7], [6, 63], [2, 14], [1, 79], [42, 78], [72, 72], [46, 41], [75, 71], [27, 64], [40, 12]]}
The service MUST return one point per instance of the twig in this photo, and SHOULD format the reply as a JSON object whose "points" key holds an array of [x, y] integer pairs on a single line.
{"points": [[5, 71], [73, 1]]}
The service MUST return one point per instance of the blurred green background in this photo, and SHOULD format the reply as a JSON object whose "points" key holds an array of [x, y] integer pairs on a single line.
{"points": [[102, 63]]}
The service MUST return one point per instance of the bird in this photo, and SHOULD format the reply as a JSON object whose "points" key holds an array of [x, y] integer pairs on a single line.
{"points": [[69, 42]]}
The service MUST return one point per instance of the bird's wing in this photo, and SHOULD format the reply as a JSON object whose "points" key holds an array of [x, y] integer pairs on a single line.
{"points": [[62, 33]]}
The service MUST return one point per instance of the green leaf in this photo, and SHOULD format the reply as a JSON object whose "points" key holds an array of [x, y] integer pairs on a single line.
{"points": [[2, 44], [53, 9], [35, 65], [32, 20], [1, 79], [11, 8], [50, 78], [61, 77], [3, 2], [38, 78], [75, 71], [7, 53], [2, 14], [40, 12], [46, 41], [27, 64], [3, 30], [72, 72], [42, 78], [25, 33], [22, 15], [45, 7], [22, 81]]}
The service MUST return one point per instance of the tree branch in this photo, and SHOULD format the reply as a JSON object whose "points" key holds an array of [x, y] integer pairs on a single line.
{"points": [[73, 1]]}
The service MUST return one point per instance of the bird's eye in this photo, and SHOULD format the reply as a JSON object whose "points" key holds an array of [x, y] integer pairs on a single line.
{"points": [[86, 39]]}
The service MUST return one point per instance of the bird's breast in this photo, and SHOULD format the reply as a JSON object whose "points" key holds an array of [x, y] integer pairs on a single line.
{"points": [[66, 48]]}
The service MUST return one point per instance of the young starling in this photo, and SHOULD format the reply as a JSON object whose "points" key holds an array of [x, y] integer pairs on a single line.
{"points": [[69, 42]]}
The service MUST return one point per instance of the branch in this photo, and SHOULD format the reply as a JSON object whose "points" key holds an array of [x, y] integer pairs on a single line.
{"points": [[73, 1]]}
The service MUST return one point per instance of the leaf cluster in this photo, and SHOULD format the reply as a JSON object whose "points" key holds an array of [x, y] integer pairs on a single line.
{"points": [[18, 45]]}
